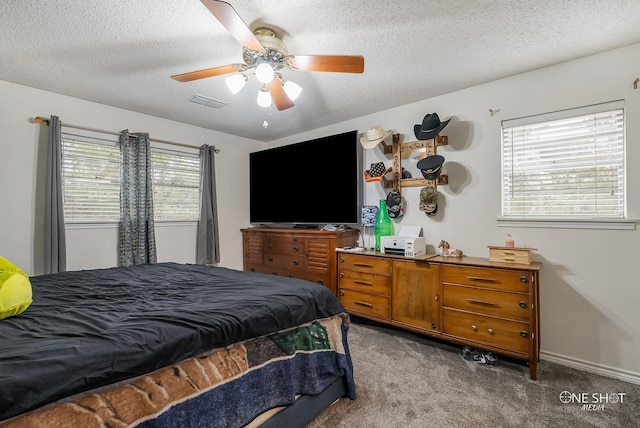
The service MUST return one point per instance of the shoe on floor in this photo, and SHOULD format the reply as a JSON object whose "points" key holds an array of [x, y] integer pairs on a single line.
{"points": [[479, 358], [491, 358], [468, 352]]}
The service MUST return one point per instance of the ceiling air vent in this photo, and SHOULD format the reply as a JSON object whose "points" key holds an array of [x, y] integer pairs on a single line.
{"points": [[206, 101]]}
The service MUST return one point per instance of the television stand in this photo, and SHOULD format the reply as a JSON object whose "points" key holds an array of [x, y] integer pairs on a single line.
{"points": [[305, 226]]}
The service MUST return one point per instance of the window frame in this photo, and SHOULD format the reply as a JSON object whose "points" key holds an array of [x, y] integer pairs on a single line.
{"points": [[112, 140], [569, 221]]}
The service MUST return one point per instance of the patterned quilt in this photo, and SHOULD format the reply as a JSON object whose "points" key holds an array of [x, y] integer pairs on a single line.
{"points": [[225, 388], [93, 329]]}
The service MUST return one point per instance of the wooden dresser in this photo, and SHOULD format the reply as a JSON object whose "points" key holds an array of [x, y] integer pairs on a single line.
{"points": [[297, 253], [489, 305]]}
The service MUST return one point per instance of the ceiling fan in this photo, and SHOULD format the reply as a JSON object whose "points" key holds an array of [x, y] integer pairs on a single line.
{"points": [[265, 55]]}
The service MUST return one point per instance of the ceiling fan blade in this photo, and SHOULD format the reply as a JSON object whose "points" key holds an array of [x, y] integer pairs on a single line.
{"points": [[207, 72], [229, 18], [332, 63], [279, 96]]}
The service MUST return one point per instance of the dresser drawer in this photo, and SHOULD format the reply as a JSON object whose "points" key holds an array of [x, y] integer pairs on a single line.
{"points": [[500, 279], [281, 261], [252, 267], [364, 263], [366, 304], [365, 281], [510, 335], [318, 278], [489, 302], [510, 255], [283, 245]]}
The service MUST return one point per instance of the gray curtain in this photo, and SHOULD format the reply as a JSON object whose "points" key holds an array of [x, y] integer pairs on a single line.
{"points": [[55, 247], [136, 236], [208, 243]]}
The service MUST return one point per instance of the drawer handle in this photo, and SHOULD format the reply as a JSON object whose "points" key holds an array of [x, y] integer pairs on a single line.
{"points": [[508, 253], [341, 260], [473, 327], [509, 259], [341, 275], [368, 305], [363, 283], [342, 293], [253, 269], [295, 239], [523, 305], [270, 246], [296, 262], [270, 259], [363, 265], [480, 302], [490, 330], [524, 279], [478, 278], [295, 249], [321, 281], [524, 333]]}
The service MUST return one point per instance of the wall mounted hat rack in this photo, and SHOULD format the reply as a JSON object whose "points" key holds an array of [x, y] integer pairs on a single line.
{"points": [[396, 149]]}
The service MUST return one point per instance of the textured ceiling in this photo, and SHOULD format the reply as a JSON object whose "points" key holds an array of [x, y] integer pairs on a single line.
{"points": [[121, 53]]}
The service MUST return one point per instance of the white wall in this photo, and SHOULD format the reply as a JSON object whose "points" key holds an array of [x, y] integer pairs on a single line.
{"points": [[590, 292], [589, 284], [22, 160]]}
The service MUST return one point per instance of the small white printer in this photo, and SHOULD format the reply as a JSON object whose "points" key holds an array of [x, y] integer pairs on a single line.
{"points": [[407, 243]]}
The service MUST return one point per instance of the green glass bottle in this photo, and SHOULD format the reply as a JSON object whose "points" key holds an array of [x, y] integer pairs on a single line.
{"points": [[384, 225]]}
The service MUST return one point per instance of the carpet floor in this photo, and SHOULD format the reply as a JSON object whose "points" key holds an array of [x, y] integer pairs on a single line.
{"points": [[408, 380]]}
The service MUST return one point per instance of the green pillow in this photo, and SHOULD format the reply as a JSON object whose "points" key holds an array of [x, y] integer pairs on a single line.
{"points": [[15, 289]]}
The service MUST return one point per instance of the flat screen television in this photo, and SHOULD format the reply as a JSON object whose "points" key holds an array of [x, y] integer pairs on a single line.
{"points": [[310, 183]]}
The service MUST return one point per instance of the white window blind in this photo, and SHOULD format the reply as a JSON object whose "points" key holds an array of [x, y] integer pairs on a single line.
{"points": [[565, 165], [176, 185], [91, 181]]}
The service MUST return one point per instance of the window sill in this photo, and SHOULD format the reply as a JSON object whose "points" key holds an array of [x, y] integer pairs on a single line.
{"points": [[605, 224], [175, 223]]}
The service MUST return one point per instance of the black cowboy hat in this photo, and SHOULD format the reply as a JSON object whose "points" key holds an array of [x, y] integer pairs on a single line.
{"points": [[430, 127]]}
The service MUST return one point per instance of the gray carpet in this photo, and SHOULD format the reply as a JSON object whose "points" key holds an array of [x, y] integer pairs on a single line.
{"points": [[407, 380]]}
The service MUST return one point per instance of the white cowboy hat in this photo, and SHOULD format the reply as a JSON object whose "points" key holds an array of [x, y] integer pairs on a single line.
{"points": [[374, 136]]}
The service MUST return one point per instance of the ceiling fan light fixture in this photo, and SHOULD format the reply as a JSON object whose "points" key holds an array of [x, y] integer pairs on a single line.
{"points": [[236, 82], [292, 89], [264, 97], [265, 54], [264, 73]]}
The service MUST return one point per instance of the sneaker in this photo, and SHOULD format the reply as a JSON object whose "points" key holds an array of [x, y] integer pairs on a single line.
{"points": [[491, 358], [479, 358], [467, 352]]}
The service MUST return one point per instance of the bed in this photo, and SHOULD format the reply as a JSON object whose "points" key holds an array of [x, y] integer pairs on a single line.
{"points": [[173, 345]]}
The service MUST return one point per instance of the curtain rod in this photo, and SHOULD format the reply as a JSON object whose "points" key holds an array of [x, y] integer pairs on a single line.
{"points": [[40, 119]]}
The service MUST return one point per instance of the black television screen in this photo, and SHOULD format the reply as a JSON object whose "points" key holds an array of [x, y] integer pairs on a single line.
{"points": [[312, 182]]}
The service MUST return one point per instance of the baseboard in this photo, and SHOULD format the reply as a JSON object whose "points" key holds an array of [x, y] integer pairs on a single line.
{"points": [[587, 366]]}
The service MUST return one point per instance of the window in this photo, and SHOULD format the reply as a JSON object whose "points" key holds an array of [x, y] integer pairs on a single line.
{"points": [[91, 181], [176, 185], [565, 165]]}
